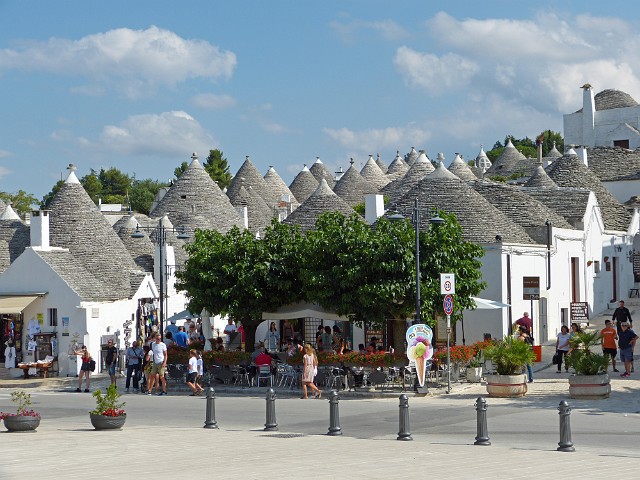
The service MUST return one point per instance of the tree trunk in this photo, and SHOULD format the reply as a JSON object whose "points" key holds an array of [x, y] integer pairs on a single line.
{"points": [[249, 334], [399, 334]]}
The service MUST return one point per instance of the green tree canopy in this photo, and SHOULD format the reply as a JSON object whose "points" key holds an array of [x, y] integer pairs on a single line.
{"points": [[237, 275], [142, 194], [178, 171], [22, 201], [527, 146], [218, 169]]}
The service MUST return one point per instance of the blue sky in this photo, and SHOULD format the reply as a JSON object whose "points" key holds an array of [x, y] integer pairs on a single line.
{"points": [[140, 85]]}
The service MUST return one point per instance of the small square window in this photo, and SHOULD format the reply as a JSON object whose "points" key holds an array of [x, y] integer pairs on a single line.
{"points": [[53, 317]]}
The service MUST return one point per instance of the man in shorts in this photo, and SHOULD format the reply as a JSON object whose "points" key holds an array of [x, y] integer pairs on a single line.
{"points": [[110, 361], [626, 342], [608, 337], [159, 357]]}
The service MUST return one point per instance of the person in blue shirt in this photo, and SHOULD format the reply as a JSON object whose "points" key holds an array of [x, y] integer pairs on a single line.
{"points": [[172, 327], [181, 338], [626, 341]]}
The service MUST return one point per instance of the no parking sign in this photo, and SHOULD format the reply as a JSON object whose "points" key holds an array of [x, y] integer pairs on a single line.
{"points": [[447, 283]]}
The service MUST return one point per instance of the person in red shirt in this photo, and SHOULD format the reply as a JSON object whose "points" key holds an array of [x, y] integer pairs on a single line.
{"points": [[608, 337]]}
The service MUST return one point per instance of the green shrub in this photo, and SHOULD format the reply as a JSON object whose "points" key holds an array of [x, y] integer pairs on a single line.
{"points": [[510, 355]]}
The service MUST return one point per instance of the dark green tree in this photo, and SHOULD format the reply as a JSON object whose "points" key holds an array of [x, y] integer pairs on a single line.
{"points": [[142, 194], [237, 275], [46, 200], [218, 169], [549, 138], [22, 201], [115, 185], [92, 185], [180, 170]]}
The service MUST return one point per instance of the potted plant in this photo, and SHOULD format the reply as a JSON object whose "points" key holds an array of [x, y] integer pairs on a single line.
{"points": [[474, 369], [509, 357], [590, 379], [108, 414], [24, 419]]}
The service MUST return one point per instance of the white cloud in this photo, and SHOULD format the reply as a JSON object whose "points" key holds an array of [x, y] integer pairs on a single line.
{"points": [[370, 141], [136, 61], [539, 62], [4, 171], [211, 101], [349, 30], [4, 153], [434, 74], [168, 134]]}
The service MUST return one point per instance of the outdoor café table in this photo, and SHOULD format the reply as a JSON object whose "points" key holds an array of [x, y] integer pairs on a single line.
{"points": [[43, 367]]}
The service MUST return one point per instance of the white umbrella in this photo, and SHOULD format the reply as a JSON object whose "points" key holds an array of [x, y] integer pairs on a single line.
{"points": [[484, 304]]}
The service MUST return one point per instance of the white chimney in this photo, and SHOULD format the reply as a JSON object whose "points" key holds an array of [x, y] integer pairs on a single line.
{"points": [[582, 155], [40, 229], [373, 207]]}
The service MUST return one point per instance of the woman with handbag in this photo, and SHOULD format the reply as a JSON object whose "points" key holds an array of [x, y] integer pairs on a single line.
{"points": [[85, 368], [562, 348], [309, 371]]}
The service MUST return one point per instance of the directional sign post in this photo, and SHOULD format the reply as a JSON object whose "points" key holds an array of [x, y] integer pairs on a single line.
{"points": [[448, 310]]}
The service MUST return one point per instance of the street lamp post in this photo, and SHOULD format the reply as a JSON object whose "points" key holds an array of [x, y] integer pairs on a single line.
{"points": [[435, 220], [161, 240]]}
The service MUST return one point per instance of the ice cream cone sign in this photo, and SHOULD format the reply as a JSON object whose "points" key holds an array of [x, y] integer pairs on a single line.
{"points": [[419, 348]]}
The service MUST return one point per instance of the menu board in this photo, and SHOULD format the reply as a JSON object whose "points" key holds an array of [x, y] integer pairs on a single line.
{"points": [[580, 312]]}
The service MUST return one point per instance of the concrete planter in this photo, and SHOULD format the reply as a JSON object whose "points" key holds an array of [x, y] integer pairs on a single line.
{"points": [[507, 386], [20, 423], [589, 386], [102, 422], [473, 374]]}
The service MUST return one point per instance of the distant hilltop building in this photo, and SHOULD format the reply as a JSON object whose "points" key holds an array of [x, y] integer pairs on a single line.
{"points": [[611, 118]]}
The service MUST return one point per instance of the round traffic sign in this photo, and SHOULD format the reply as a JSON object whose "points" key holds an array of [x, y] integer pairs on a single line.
{"points": [[448, 304], [447, 285]]}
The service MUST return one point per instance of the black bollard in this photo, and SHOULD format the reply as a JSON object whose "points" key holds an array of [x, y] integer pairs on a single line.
{"points": [[482, 437], [271, 424], [403, 429], [334, 414], [210, 421], [565, 444]]}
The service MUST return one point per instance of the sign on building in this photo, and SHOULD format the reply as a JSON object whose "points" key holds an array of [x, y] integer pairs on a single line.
{"points": [[579, 312], [531, 288]]}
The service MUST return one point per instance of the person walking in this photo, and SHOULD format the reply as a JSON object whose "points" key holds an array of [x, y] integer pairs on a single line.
{"points": [[608, 337], [85, 369], [525, 321], [111, 360], [272, 339], [159, 358], [133, 358], [524, 336], [562, 348], [626, 342], [622, 314], [309, 371], [192, 374]]}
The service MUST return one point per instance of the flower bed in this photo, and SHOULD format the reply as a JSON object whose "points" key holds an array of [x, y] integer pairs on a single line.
{"points": [[357, 359]]}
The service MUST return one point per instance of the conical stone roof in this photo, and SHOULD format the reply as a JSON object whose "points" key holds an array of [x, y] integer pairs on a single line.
{"points": [[570, 203], [303, 185], [280, 189], [420, 168], [322, 200], [397, 168], [258, 212], [507, 162], [461, 170], [569, 171], [352, 187], [520, 207], [76, 223], [248, 175], [481, 222], [381, 164], [411, 157], [372, 173], [319, 171], [196, 201], [540, 179], [482, 161], [141, 249], [15, 236]]}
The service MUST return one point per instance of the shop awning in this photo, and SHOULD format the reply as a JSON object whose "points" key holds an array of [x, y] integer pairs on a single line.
{"points": [[303, 310], [16, 303]]}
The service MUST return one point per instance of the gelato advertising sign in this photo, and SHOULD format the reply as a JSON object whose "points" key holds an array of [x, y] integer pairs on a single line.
{"points": [[419, 348]]}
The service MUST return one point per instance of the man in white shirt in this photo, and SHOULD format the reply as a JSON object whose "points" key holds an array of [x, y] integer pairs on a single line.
{"points": [[159, 358], [229, 328]]}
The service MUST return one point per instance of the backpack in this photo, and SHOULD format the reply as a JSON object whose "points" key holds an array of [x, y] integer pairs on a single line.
{"points": [[92, 365]]}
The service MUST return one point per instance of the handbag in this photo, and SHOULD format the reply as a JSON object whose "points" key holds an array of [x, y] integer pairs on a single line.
{"points": [[556, 359]]}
